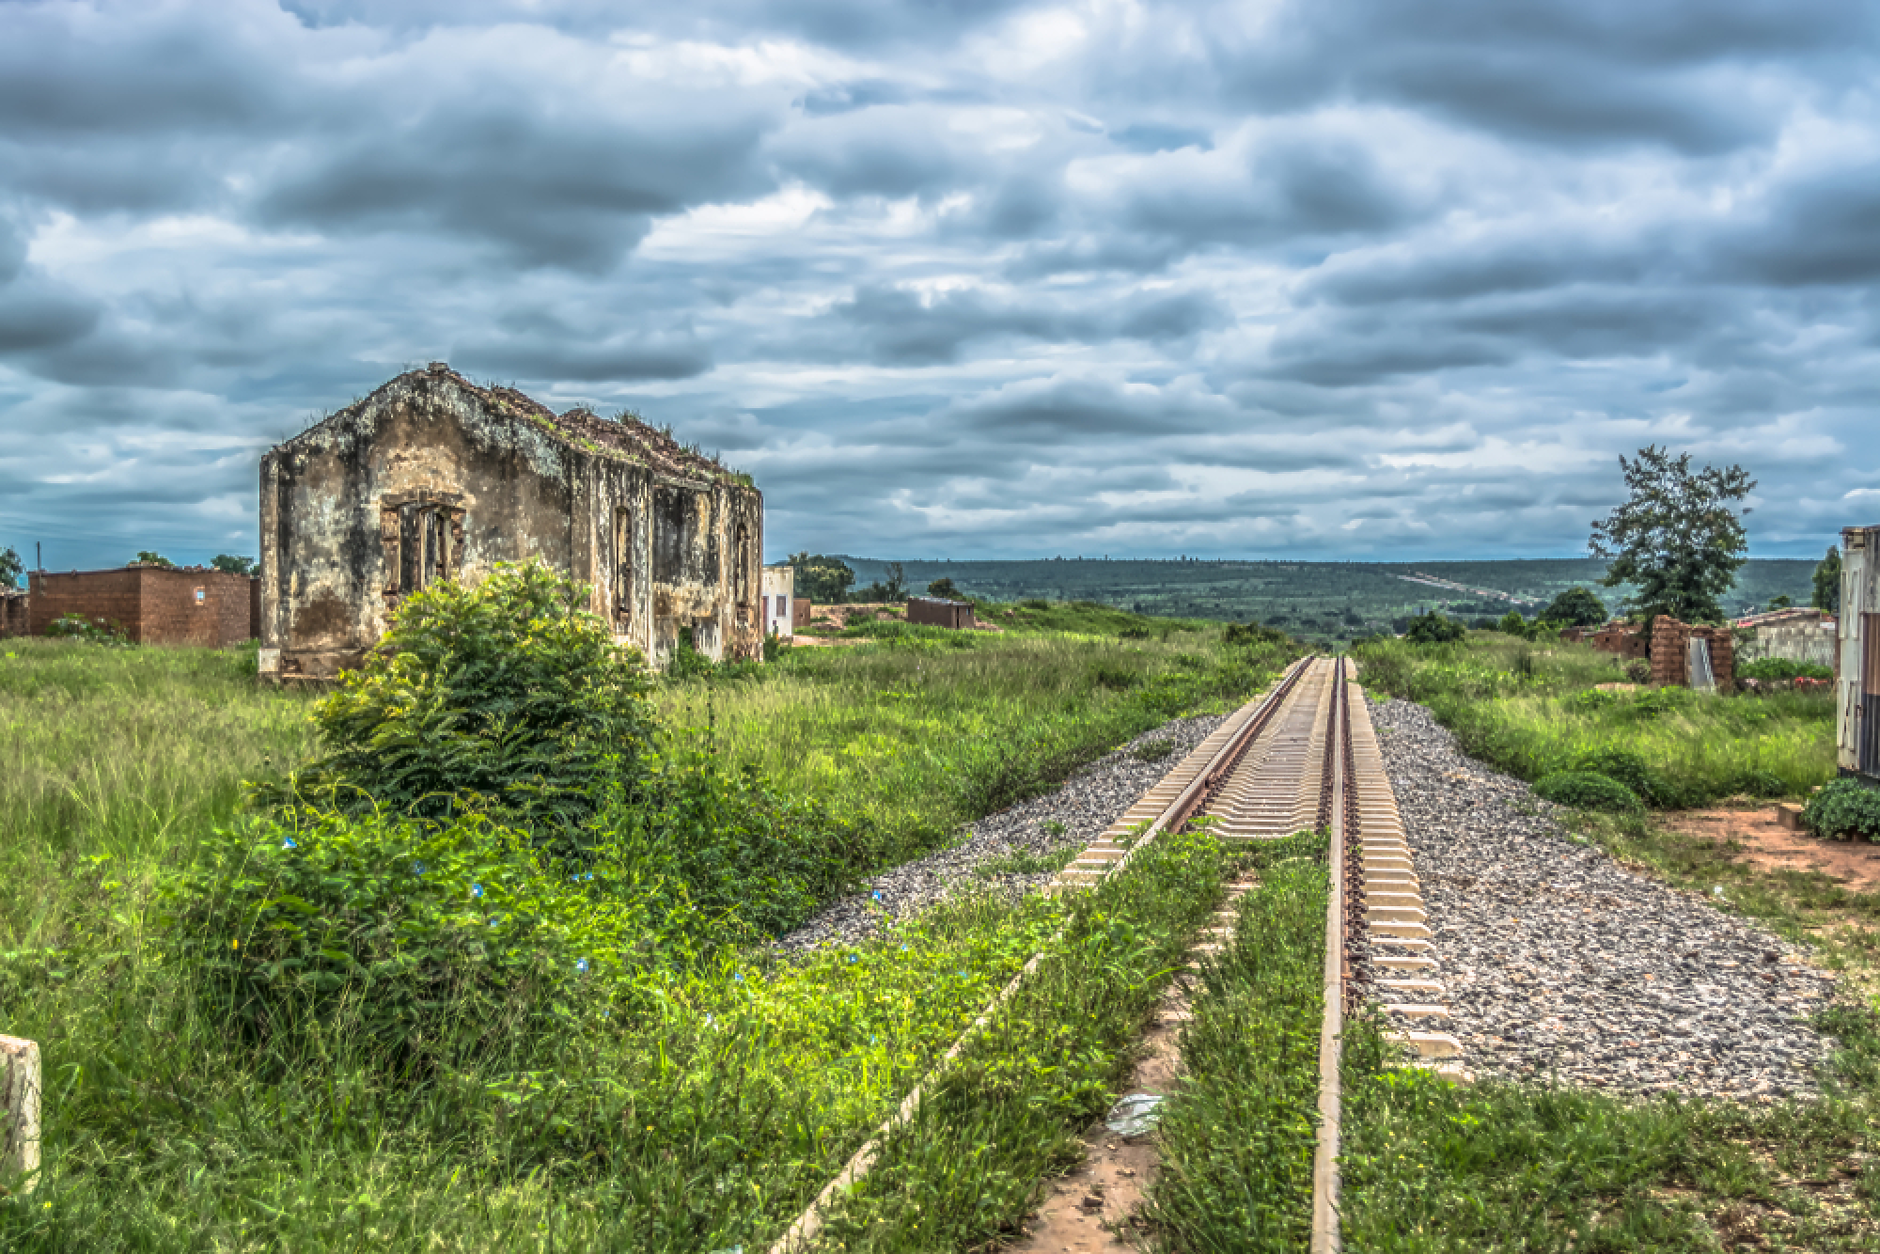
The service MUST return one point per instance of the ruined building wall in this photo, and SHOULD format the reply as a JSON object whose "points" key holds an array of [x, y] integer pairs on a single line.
{"points": [[432, 477]]}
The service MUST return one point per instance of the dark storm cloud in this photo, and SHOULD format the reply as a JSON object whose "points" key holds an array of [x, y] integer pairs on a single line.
{"points": [[1002, 277]]}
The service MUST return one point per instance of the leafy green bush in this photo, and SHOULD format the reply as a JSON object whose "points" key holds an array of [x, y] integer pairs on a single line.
{"points": [[1433, 628], [1585, 790], [1758, 783], [430, 940], [1254, 633], [78, 627], [1842, 810], [503, 691], [1650, 786], [1783, 668]]}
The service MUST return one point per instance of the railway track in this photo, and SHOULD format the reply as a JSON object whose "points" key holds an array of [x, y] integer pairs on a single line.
{"points": [[1303, 756]]}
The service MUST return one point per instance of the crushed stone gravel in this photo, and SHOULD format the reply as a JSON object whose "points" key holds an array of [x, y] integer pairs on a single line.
{"points": [[1558, 961], [1043, 831]]}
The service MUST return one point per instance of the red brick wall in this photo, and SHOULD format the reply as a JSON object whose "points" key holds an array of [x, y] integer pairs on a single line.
{"points": [[114, 596], [172, 614], [152, 605], [1671, 657], [12, 614]]}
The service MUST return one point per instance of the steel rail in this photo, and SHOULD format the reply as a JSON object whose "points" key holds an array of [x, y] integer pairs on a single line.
{"points": [[1335, 797], [800, 1235]]}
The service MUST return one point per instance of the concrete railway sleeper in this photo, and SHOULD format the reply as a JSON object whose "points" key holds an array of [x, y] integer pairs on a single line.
{"points": [[1302, 757]]}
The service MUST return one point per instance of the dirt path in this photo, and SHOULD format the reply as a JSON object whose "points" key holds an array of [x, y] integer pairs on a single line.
{"points": [[1092, 1208], [1768, 846]]}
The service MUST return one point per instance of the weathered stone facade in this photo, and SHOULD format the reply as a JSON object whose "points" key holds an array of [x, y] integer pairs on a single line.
{"points": [[433, 477]]}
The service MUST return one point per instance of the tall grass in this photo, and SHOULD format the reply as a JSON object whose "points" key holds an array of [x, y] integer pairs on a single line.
{"points": [[130, 754], [915, 736], [703, 1123], [1533, 710]]}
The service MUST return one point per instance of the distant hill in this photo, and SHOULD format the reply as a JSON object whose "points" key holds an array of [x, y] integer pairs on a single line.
{"points": [[1315, 600]]}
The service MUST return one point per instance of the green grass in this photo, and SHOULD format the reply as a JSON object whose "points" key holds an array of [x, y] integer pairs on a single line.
{"points": [[1432, 1167], [1534, 709], [967, 1169], [704, 1123], [126, 754], [914, 735], [1238, 1138]]}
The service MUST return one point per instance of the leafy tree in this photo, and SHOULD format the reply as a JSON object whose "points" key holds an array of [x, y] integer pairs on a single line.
{"points": [[1678, 539], [1432, 628], [943, 588], [894, 588], [1576, 607], [1828, 583], [1780, 602], [823, 580], [11, 568], [155, 559], [232, 564]]}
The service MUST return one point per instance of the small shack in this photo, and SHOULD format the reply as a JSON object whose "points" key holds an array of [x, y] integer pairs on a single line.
{"points": [[779, 601], [150, 604], [936, 612], [1857, 681]]}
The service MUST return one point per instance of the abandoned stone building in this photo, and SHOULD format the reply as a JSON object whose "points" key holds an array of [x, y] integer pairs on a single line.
{"points": [[432, 477]]}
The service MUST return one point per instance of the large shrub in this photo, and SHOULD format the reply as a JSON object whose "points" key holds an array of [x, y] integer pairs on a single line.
{"points": [[1585, 790], [503, 691], [1433, 628], [428, 940], [1844, 809], [1628, 768]]}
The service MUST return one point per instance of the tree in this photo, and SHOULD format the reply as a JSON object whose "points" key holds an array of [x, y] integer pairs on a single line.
{"points": [[11, 568], [823, 580], [148, 558], [1827, 596], [944, 589], [232, 564], [1679, 539], [894, 589], [1432, 628], [1576, 607], [1780, 602]]}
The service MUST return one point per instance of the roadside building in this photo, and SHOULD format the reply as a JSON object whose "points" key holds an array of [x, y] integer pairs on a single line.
{"points": [[432, 477], [780, 601], [1798, 634], [937, 612], [149, 604]]}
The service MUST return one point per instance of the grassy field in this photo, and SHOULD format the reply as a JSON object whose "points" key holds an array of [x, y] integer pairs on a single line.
{"points": [[1499, 1166], [703, 1119], [1534, 709]]}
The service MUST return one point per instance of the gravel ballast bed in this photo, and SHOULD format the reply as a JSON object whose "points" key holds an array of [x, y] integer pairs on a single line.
{"points": [[1086, 804], [1558, 961]]}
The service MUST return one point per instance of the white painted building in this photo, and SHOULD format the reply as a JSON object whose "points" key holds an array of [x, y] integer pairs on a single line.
{"points": [[779, 595]]}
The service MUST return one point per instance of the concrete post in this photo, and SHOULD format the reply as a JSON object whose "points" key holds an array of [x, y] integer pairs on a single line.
{"points": [[20, 1088]]}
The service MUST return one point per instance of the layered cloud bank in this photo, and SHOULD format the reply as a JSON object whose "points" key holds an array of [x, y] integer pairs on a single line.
{"points": [[1384, 278]]}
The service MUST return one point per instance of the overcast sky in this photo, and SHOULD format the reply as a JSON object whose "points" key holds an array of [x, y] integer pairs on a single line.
{"points": [[1325, 278]]}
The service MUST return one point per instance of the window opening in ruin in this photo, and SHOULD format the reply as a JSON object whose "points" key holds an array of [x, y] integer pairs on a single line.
{"points": [[423, 544], [741, 574], [685, 544]]}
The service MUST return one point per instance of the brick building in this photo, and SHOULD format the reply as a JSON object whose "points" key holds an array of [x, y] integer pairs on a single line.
{"points": [[149, 604], [12, 613], [1671, 653], [936, 612]]}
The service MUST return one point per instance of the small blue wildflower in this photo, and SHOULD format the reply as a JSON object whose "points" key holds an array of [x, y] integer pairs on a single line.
{"points": [[709, 1020], [588, 876], [288, 843], [476, 890], [877, 895], [851, 957], [417, 868], [582, 966], [738, 976], [904, 949]]}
